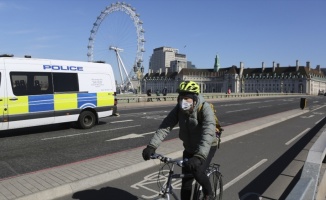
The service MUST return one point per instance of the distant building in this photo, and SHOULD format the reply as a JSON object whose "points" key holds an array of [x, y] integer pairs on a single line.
{"points": [[190, 65], [161, 58], [275, 79]]}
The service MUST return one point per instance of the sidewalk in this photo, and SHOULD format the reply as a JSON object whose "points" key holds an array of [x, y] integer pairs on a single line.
{"points": [[68, 179]]}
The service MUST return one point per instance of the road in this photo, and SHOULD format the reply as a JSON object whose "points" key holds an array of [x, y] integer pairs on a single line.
{"points": [[39, 148], [261, 165], [32, 149]]}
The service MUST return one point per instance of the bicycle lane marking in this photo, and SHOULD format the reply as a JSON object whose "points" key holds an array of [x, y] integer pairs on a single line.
{"points": [[306, 130], [248, 171], [150, 182], [297, 136]]}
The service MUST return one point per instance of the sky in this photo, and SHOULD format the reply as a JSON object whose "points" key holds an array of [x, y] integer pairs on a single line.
{"points": [[248, 31]]}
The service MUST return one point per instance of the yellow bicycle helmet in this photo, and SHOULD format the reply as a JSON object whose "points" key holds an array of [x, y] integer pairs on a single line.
{"points": [[189, 86]]}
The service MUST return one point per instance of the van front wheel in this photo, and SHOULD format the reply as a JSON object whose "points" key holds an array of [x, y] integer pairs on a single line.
{"points": [[86, 120]]}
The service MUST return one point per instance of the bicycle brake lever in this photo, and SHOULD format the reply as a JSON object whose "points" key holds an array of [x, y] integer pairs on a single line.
{"points": [[155, 156], [181, 162], [165, 159]]}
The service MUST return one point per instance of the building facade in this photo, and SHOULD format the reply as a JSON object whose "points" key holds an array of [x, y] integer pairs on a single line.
{"points": [[168, 68], [276, 79]]}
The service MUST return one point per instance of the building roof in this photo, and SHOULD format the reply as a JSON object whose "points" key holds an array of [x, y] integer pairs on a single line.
{"points": [[170, 75], [285, 71], [279, 71]]}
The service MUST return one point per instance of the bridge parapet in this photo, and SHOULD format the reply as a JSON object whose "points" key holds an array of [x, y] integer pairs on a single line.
{"points": [[312, 183], [134, 98]]}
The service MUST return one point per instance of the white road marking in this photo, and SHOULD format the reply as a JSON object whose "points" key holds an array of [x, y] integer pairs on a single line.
{"points": [[318, 108], [318, 113], [128, 120], [303, 132], [87, 133], [254, 102], [269, 101], [265, 106], [237, 110], [131, 136], [244, 174], [319, 120], [305, 117], [152, 179], [134, 135], [226, 105]]}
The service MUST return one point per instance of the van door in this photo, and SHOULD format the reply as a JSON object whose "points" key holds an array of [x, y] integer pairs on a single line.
{"points": [[3, 102]]}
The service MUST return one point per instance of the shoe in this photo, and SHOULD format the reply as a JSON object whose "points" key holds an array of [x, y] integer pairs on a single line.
{"points": [[208, 197]]}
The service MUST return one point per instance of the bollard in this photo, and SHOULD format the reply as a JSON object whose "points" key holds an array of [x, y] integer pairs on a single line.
{"points": [[303, 103]]}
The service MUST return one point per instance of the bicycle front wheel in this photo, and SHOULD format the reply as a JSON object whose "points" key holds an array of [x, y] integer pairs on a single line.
{"points": [[215, 178]]}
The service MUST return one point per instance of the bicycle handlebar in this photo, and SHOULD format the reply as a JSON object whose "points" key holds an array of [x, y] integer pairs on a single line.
{"points": [[164, 159]]}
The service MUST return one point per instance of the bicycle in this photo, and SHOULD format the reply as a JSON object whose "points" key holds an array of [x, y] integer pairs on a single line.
{"points": [[212, 172]]}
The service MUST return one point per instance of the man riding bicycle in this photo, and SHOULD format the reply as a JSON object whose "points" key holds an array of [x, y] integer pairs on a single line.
{"points": [[199, 140]]}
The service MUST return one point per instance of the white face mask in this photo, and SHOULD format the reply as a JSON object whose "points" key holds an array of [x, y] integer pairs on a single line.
{"points": [[185, 105]]}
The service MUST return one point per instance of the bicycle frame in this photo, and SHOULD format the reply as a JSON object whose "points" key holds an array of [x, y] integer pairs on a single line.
{"points": [[168, 189]]}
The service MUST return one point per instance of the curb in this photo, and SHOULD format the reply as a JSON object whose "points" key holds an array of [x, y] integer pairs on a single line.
{"points": [[96, 180]]}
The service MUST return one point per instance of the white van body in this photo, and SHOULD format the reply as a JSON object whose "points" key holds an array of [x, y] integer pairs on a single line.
{"points": [[37, 92]]}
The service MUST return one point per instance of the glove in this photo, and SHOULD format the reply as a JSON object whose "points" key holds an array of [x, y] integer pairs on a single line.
{"points": [[148, 152], [193, 163]]}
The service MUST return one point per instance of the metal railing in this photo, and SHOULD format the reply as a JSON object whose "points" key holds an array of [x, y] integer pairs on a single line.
{"points": [[137, 98]]}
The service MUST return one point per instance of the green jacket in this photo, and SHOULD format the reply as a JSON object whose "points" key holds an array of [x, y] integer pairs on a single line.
{"points": [[197, 137]]}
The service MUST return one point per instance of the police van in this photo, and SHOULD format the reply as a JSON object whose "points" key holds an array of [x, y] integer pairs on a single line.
{"points": [[37, 92]]}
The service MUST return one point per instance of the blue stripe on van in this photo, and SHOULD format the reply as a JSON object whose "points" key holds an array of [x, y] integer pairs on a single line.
{"points": [[39, 103], [87, 100]]}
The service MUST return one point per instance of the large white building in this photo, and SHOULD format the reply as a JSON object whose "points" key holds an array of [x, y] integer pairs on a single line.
{"points": [[167, 59], [274, 79]]}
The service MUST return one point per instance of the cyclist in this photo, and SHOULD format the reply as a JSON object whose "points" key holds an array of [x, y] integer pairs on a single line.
{"points": [[198, 138]]}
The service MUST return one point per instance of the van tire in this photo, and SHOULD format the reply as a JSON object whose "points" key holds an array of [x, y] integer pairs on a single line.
{"points": [[86, 120]]}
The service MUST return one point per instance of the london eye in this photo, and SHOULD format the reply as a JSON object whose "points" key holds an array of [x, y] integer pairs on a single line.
{"points": [[117, 38]]}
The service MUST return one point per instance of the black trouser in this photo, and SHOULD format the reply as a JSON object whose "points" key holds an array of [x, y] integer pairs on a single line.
{"points": [[199, 175]]}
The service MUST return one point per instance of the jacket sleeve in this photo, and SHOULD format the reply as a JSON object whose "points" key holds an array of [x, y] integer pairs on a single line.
{"points": [[208, 132], [165, 128]]}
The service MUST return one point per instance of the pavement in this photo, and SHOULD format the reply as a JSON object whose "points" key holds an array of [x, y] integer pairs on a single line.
{"points": [[68, 179]]}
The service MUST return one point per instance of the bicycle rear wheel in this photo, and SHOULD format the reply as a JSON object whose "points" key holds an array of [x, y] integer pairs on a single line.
{"points": [[215, 178]]}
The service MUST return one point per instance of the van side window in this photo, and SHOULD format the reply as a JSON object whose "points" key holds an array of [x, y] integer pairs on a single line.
{"points": [[65, 82], [31, 83], [18, 83], [42, 84]]}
